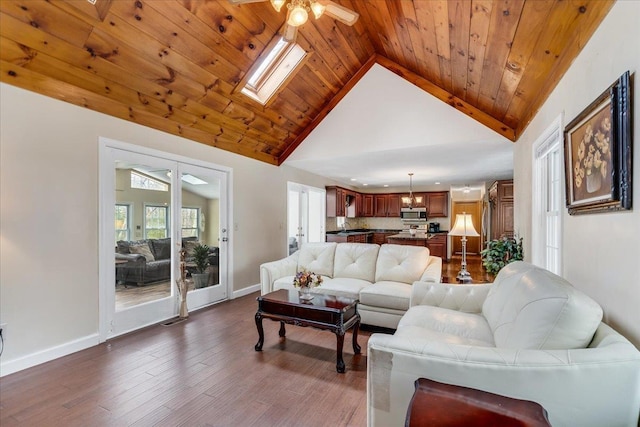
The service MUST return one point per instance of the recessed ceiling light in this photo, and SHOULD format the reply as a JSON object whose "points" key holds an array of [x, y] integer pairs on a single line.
{"points": [[365, 184], [353, 179], [437, 182], [386, 185]]}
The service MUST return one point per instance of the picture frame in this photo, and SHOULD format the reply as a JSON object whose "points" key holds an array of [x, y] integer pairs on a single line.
{"points": [[598, 153]]}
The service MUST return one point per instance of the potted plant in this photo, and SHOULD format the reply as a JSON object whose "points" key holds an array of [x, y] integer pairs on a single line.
{"points": [[201, 260], [500, 252]]}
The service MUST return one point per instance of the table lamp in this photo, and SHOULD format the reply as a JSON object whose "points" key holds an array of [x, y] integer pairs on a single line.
{"points": [[463, 227]]}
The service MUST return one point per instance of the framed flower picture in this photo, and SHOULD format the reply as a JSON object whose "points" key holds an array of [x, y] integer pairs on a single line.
{"points": [[597, 145]]}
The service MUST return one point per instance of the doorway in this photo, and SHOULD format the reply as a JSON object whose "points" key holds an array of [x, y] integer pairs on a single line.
{"points": [[474, 245], [154, 205], [306, 208]]}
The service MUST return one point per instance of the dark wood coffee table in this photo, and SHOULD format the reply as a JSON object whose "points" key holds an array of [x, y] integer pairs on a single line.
{"points": [[336, 314]]}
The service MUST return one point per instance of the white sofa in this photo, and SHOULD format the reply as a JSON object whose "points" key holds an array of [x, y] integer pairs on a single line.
{"points": [[381, 277], [530, 335]]}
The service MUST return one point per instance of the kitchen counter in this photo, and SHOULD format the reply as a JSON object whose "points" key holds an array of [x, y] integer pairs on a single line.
{"points": [[418, 236], [435, 242], [360, 235], [359, 231]]}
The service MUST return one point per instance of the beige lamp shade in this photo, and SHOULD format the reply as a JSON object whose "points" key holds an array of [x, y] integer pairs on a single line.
{"points": [[463, 226]]}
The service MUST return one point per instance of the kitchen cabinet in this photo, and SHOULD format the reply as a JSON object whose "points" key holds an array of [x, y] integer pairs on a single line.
{"points": [[335, 202], [340, 202], [359, 207], [380, 205], [438, 245], [501, 209], [393, 205], [386, 205], [436, 242], [368, 205], [380, 238], [350, 238], [437, 204], [406, 242]]}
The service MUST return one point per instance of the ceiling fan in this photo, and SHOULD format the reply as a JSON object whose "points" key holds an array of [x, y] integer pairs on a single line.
{"points": [[298, 13]]}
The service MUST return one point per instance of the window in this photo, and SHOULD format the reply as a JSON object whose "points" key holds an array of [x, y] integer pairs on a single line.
{"points": [[274, 70], [547, 204], [143, 182], [156, 222], [122, 222], [190, 221]]}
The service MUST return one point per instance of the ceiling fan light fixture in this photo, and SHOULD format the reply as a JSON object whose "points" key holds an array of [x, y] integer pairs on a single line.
{"points": [[277, 4], [317, 8], [298, 14]]}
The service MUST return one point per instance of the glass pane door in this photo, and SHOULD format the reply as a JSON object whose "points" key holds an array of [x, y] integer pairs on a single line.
{"points": [[143, 290], [204, 233], [306, 207]]}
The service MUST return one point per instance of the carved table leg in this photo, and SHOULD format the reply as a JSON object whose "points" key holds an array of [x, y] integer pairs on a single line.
{"points": [[356, 328], [282, 332], [339, 362], [258, 346]]}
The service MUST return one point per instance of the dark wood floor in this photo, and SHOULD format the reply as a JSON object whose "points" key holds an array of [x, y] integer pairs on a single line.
{"points": [[199, 372], [474, 267]]}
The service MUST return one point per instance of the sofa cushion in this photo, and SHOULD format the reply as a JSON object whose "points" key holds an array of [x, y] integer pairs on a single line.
{"points": [[401, 263], [142, 249], [356, 261], [189, 247], [387, 294], [455, 327], [342, 287], [285, 282], [161, 248], [317, 258], [529, 307]]}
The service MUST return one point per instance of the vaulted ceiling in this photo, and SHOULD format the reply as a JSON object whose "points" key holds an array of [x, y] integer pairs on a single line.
{"points": [[175, 65]]}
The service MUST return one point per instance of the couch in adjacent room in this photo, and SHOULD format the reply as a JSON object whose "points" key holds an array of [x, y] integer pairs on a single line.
{"points": [[147, 261], [381, 277], [530, 335]]}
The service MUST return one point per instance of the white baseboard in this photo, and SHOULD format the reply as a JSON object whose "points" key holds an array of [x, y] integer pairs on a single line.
{"points": [[42, 356], [245, 291]]}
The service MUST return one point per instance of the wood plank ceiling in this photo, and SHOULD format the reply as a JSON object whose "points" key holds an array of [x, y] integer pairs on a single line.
{"points": [[174, 65]]}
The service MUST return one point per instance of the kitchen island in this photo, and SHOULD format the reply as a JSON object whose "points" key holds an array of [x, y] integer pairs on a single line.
{"points": [[435, 242], [378, 236]]}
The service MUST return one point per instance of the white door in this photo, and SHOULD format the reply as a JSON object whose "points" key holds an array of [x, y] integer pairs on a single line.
{"points": [[306, 208], [159, 205], [204, 221], [138, 253]]}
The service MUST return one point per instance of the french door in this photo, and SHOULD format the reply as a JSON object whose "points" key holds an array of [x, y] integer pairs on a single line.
{"points": [[306, 208], [161, 206]]}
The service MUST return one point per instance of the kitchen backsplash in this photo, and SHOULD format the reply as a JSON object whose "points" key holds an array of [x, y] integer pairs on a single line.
{"points": [[379, 223]]}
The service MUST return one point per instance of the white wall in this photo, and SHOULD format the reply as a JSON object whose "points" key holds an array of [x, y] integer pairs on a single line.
{"points": [[601, 252], [49, 215]]}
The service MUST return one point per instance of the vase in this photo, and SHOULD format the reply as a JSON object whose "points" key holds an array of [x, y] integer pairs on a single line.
{"points": [[305, 293], [183, 288], [594, 180]]}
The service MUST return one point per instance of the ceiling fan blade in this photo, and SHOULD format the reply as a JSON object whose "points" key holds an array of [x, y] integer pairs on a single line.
{"points": [[340, 13], [289, 32]]}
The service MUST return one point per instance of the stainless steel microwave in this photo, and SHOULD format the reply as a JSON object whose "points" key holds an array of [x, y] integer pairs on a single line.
{"points": [[413, 214]]}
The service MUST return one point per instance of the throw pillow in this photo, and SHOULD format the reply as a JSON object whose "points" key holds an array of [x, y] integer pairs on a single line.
{"points": [[142, 249], [189, 246]]}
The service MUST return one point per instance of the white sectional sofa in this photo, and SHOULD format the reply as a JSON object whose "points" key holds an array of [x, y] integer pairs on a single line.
{"points": [[530, 335], [381, 277]]}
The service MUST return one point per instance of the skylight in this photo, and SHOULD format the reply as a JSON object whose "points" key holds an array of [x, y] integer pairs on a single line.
{"points": [[274, 70], [143, 182]]}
